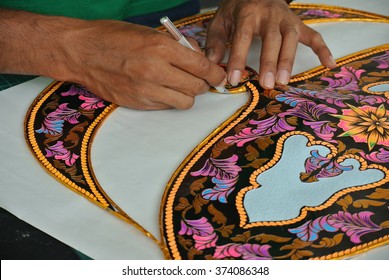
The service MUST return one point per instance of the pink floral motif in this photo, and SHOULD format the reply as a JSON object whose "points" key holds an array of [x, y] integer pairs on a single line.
{"points": [[382, 60], [310, 113], [269, 126], [310, 229], [221, 191], [219, 168], [202, 232], [58, 151], [324, 167], [347, 80], [354, 225], [92, 101], [53, 122], [295, 96], [321, 13], [224, 173], [246, 251], [380, 156]]}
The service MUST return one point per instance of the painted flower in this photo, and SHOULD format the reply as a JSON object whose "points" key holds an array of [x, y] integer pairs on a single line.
{"points": [[366, 125]]}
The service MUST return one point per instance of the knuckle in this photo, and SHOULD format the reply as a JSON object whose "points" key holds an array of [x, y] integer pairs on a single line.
{"points": [[243, 34], [187, 104], [316, 38], [291, 32], [199, 87], [268, 64], [204, 67], [285, 62], [274, 35]]}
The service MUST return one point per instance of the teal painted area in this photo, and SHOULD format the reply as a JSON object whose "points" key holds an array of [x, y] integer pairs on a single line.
{"points": [[282, 194]]}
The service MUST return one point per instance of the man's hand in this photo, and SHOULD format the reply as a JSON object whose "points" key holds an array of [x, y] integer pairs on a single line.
{"points": [[127, 64], [239, 21]]}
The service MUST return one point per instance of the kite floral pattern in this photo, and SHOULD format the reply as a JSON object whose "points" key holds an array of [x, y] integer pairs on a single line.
{"points": [[200, 217], [332, 107]]}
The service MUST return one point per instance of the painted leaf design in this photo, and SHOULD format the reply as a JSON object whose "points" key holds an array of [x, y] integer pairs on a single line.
{"points": [[311, 112], [252, 153], [347, 79], [197, 185], [324, 167], [354, 225], [266, 127], [310, 229], [58, 151], [54, 121], [380, 193], [202, 232], [221, 191], [329, 242], [294, 96], [219, 168], [380, 156], [91, 101], [266, 238], [365, 203], [245, 251], [226, 231], [345, 202], [218, 217]]}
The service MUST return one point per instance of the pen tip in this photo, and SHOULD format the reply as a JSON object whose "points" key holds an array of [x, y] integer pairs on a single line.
{"points": [[164, 19]]}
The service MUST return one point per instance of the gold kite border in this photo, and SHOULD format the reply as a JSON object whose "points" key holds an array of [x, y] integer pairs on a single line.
{"points": [[100, 198], [362, 15]]}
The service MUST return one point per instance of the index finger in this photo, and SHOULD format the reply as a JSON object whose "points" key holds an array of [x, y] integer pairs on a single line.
{"points": [[241, 43], [314, 40], [197, 64], [217, 39]]}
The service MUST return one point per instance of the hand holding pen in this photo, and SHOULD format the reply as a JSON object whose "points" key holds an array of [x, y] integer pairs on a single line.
{"points": [[177, 35]]}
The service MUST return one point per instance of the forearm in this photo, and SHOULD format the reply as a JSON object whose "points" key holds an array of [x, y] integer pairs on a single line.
{"points": [[34, 44]]}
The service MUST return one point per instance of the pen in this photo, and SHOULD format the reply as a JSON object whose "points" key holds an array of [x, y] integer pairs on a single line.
{"points": [[177, 35]]}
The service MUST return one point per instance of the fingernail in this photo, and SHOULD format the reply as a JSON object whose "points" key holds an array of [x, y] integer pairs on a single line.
{"points": [[268, 80], [235, 77], [283, 77]]}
